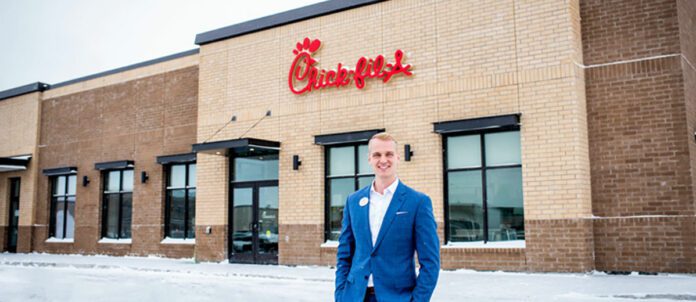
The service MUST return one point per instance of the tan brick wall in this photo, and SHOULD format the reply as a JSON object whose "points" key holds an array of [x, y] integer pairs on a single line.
{"points": [[27, 196], [27, 193], [212, 183], [19, 121], [138, 120], [4, 199], [470, 58]]}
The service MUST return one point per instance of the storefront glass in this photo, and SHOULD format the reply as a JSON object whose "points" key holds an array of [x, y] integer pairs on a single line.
{"points": [[484, 187], [348, 170], [63, 206]]}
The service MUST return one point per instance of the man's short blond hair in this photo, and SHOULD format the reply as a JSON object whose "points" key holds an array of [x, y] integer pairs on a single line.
{"points": [[383, 136]]}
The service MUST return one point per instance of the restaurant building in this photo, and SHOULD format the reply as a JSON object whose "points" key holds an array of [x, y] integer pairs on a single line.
{"points": [[550, 135]]}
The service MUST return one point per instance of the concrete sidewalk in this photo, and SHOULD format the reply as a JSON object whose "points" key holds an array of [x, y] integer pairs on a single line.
{"points": [[45, 277]]}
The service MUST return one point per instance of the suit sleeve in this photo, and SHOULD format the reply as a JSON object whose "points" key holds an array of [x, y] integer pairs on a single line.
{"points": [[344, 255], [428, 248]]}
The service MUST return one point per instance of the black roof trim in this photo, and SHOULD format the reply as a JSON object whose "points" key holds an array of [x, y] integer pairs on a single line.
{"points": [[17, 91], [346, 137], [129, 67], [239, 143], [60, 171], [490, 122], [177, 158], [113, 165], [291, 16]]}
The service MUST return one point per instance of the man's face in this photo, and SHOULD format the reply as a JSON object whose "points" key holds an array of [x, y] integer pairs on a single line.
{"points": [[383, 158]]}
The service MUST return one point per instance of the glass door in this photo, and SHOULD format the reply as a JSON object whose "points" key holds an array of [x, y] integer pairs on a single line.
{"points": [[267, 230], [14, 215], [255, 223], [254, 208], [242, 225]]}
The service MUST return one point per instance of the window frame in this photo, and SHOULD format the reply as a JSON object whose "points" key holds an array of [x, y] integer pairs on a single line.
{"points": [[327, 179], [53, 207], [167, 199], [483, 168], [105, 204]]}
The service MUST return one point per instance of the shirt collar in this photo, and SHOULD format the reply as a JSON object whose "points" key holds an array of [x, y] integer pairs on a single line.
{"points": [[390, 189]]}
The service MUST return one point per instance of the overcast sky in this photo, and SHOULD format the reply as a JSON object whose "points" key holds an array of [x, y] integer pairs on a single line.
{"points": [[55, 41]]}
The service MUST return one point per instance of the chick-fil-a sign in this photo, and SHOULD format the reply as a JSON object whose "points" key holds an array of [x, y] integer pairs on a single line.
{"points": [[304, 76]]}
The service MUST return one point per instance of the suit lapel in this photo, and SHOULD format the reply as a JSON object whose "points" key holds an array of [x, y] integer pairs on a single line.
{"points": [[394, 205], [365, 216]]}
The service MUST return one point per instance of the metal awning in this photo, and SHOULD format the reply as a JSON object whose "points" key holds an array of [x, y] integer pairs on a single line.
{"points": [[475, 124], [114, 165], [238, 146], [345, 137], [176, 159], [14, 163], [60, 171]]}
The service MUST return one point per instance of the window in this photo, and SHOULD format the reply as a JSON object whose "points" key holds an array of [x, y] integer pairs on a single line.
{"points": [[117, 204], [63, 206], [347, 170], [483, 187], [180, 209]]}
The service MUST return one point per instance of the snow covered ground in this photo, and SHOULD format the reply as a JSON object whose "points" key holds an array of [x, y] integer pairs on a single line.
{"points": [[43, 277]]}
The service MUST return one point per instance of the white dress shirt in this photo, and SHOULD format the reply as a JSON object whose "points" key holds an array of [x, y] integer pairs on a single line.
{"points": [[379, 203]]}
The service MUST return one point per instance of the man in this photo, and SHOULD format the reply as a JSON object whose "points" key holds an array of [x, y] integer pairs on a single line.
{"points": [[383, 225]]}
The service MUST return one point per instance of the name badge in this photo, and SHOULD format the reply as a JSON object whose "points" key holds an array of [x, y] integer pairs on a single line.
{"points": [[363, 202]]}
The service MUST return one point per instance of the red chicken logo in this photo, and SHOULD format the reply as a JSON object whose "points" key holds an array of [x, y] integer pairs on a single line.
{"points": [[304, 76]]}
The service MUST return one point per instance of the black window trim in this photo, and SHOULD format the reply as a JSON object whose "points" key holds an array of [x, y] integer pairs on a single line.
{"points": [[483, 168], [327, 184], [120, 193], [53, 201], [167, 199]]}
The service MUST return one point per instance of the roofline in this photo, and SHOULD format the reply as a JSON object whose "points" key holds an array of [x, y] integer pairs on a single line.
{"points": [[17, 91], [287, 17], [126, 68]]}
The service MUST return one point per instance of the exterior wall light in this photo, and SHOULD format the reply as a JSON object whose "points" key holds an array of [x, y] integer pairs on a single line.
{"points": [[296, 162], [85, 180], [407, 152], [144, 177]]}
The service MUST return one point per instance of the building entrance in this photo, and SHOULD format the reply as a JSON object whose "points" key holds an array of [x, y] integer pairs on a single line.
{"points": [[254, 208]]}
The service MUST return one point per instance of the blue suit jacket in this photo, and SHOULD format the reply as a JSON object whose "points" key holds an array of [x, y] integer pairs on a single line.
{"points": [[408, 227]]}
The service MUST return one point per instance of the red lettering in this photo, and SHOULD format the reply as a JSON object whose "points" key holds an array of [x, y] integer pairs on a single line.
{"points": [[304, 76]]}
